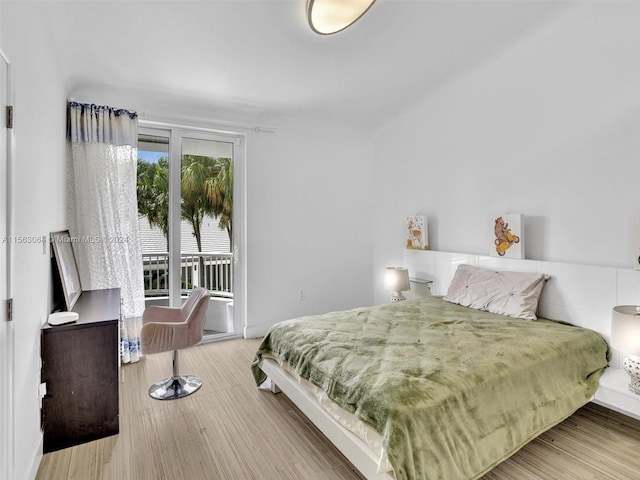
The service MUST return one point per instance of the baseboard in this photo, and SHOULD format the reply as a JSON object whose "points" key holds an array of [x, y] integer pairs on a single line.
{"points": [[37, 458], [256, 331]]}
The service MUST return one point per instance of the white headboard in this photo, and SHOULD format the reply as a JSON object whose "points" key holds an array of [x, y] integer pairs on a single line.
{"points": [[583, 295]]}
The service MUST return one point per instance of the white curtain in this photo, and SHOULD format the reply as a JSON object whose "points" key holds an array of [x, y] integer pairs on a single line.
{"points": [[103, 209]]}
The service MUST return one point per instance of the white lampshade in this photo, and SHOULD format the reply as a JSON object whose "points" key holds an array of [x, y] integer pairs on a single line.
{"points": [[396, 279], [331, 16], [625, 336], [625, 329]]}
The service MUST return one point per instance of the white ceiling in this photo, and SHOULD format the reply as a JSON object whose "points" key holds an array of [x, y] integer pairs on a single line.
{"points": [[259, 58]]}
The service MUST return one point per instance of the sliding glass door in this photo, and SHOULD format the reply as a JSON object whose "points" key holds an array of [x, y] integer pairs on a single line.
{"points": [[187, 215]]}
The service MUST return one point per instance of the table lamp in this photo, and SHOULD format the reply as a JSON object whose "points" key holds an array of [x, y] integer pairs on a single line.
{"points": [[625, 337], [396, 280]]}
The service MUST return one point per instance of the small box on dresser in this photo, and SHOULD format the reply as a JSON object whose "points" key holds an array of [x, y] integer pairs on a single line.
{"points": [[80, 366]]}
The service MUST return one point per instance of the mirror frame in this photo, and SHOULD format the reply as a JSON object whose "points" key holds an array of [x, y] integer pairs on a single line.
{"points": [[62, 247]]}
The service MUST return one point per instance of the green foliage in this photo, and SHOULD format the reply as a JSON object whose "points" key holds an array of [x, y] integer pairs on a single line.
{"points": [[220, 191], [207, 189], [153, 193]]}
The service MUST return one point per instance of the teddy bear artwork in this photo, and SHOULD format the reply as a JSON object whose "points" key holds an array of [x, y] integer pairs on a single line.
{"points": [[416, 233], [508, 236]]}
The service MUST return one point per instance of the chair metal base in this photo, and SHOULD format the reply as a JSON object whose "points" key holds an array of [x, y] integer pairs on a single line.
{"points": [[175, 387]]}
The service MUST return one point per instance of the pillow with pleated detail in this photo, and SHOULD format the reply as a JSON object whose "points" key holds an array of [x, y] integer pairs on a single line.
{"points": [[515, 294]]}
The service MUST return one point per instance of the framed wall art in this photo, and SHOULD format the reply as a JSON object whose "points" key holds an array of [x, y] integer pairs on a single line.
{"points": [[508, 236], [417, 237]]}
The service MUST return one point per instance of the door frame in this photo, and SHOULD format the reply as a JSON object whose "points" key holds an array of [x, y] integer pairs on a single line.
{"points": [[7, 342], [175, 132]]}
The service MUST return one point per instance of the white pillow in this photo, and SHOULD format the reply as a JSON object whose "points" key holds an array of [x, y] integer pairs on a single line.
{"points": [[515, 294]]}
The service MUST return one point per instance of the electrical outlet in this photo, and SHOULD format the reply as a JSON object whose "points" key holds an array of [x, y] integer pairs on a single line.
{"points": [[302, 295], [42, 392]]}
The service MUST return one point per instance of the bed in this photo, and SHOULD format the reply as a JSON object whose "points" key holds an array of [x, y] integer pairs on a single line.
{"points": [[432, 388]]}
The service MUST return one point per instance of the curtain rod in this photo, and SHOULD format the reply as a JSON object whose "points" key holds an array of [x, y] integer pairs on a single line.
{"points": [[186, 122]]}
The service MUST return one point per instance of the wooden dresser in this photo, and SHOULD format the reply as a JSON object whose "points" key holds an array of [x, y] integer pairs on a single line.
{"points": [[80, 365]]}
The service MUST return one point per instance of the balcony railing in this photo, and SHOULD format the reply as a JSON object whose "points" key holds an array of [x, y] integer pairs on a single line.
{"points": [[213, 271]]}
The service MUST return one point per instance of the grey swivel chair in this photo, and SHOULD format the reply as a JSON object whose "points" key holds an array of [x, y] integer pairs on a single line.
{"points": [[169, 328]]}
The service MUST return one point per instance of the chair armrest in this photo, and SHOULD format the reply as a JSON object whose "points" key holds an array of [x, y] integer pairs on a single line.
{"points": [[158, 314]]}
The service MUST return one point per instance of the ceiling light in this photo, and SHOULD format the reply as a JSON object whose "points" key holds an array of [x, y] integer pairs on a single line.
{"points": [[331, 16]]}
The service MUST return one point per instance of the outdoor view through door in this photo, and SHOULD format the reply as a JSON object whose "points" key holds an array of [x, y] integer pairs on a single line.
{"points": [[205, 227]]}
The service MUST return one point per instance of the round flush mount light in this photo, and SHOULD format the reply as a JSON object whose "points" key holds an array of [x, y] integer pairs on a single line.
{"points": [[332, 16]]}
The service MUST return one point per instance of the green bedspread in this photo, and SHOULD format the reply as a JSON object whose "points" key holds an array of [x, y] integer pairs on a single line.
{"points": [[453, 391]]}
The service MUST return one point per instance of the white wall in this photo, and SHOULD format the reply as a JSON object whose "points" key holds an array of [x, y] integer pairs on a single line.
{"points": [[549, 127], [39, 207], [309, 221]]}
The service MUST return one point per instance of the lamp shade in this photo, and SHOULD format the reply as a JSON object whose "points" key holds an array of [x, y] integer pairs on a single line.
{"points": [[625, 329], [396, 279], [331, 16]]}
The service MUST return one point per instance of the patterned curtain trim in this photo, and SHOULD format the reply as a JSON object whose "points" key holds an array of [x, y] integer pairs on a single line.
{"points": [[90, 123]]}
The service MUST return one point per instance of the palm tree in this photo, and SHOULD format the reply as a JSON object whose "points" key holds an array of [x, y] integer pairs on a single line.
{"points": [[153, 193], [201, 176], [196, 172], [207, 189], [220, 191]]}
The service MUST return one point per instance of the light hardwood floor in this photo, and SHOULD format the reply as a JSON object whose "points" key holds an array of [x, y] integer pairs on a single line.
{"points": [[231, 430]]}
